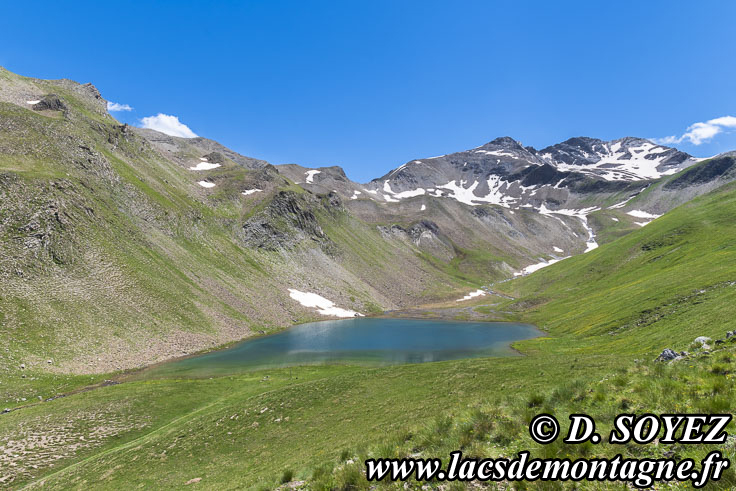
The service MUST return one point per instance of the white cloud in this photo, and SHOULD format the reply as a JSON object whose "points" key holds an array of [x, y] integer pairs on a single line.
{"points": [[698, 133], [114, 107], [168, 124]]}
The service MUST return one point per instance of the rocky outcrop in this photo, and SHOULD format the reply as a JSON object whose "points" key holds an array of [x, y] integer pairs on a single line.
{"points": [[667, 355], [716, 168], [51, 102], [183, 148], [215, 158], [584, 151], [425, 235], [287, 220]]}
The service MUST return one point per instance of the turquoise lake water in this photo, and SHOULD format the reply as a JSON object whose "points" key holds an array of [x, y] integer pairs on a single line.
{"points": [[360, 340]]}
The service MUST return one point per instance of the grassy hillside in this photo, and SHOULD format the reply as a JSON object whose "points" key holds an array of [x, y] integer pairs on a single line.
{"points": [[611, 311], [608, 314], [663, 284], [113, 256]]}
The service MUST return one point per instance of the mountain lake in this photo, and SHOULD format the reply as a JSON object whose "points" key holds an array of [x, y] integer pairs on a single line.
{"points": [[369, 341]]}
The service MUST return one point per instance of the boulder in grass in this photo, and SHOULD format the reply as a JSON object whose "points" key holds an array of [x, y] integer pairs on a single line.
{"points": [[702, 340], [667, 355]]}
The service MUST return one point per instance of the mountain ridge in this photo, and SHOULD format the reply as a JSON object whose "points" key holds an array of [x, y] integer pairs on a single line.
{"points": [[500, 163]]}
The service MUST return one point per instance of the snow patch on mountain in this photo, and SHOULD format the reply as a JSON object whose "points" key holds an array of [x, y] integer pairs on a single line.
{"points": [[614, 161], [582, 215], [476, 293], [496, 195], [496, 153], [642, 214], [403, 194], [310, 175], [461, 193], [648, 217], [323, 306], [621, 204], [204, 166], [536, 267]]}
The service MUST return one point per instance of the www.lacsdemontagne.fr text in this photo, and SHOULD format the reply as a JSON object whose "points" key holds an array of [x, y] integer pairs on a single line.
{"points": [[641, 473]]}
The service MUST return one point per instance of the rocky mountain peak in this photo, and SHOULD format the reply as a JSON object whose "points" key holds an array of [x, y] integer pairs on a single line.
{"points": [[624, 159], [504, 142]]}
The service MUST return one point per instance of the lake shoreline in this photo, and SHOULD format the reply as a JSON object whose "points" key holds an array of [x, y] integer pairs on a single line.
{"points": [[132, 374], [370, 341], [409, 313]]}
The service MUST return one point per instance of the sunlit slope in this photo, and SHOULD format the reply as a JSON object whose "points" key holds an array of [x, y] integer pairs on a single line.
{"points": [[661, 286], [112, 255], [666, 283]]}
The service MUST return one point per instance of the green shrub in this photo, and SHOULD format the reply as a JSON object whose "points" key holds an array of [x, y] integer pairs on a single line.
{"points": [[535, 400], [287, 476]]}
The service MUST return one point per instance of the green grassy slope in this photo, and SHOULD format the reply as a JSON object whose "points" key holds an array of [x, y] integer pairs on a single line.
{"points": [[665, 283], [658, 287], [611, 310], [112, 256]]}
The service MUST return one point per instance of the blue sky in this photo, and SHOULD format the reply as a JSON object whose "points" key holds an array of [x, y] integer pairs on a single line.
{"points": [[369, 85]]}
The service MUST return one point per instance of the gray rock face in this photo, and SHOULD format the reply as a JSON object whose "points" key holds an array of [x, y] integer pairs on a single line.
{"points": [[622, 159], [180, 148], [288, 219], [506, 173], [215, 158], [667, 355], [719, 167], [51, 102], [425, 235], [702, 340], [503, 157]]}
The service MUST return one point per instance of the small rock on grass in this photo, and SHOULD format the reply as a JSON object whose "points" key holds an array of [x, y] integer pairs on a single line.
{"points": [[193, 481], [667, 355]]}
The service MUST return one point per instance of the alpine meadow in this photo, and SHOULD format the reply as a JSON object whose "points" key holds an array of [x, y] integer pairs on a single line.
{"points": [[176, 315]]}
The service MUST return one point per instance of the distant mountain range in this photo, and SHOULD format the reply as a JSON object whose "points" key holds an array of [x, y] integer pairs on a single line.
{"points": [[504, 172], [579, 177]]}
